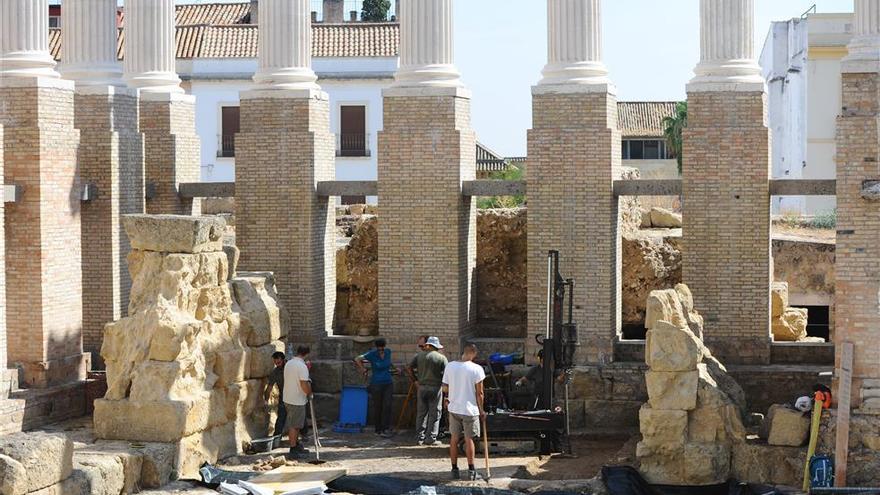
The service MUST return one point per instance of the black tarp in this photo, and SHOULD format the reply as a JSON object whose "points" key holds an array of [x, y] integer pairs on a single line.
{"points": [[625, 480]]}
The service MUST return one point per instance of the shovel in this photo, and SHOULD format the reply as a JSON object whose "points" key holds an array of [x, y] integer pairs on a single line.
{"points": [[317, 460], [486, 449]]}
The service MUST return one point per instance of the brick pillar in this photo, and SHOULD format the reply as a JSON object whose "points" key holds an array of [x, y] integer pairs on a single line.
{"points": [[574, 157], [110, 157], [284, 148], [171, 151], [43, 250], [425, 281], [727, 264], [2, 273]]}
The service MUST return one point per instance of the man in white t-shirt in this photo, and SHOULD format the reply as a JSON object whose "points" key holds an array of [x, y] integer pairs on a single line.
{"points": [[297, 393], [463, 383]]}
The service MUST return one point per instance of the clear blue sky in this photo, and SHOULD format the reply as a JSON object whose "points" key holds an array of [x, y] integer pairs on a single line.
{"points": [[651, 48]]}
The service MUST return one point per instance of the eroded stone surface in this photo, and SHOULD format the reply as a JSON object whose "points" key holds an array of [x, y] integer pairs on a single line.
{"points": [[175, 233], [45, 458], [785, 427]]}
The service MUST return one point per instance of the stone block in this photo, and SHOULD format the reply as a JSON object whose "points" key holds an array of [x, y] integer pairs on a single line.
{"points": [[154, 381], [665, 219], [327, 376], [791, 326], [13, 476], [245, 397], [46, 459], [664, 305], [663, 431], [205, 446], [259, 359], [175, 233], [672, 348], [103, 475], [159, 421], [232, 255], [257, 302], [130, 459], [760, 463], [661, 469], [587, 383], [706, 464], [675, 391], [231, 367], [786, 427], [253, 425], [158, 464], [778, 299]]}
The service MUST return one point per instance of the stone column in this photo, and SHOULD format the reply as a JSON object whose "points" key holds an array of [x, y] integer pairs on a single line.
{"points": [[425, 151], [110, 158], [284, 148], [726, 175], [43, 250], [858, 234], [4, 386], [574, 158], [167, 116]]}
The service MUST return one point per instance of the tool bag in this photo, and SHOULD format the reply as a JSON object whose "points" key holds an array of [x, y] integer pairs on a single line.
{"points": [[821, 471]]}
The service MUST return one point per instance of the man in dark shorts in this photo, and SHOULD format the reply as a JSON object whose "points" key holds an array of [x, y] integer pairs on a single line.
{"points": [[276, 379], [297, 393]]}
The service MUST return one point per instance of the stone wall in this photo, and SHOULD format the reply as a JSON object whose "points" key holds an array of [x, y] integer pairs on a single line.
{"points": [[188, 365]]}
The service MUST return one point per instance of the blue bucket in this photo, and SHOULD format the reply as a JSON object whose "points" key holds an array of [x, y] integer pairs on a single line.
{"points": [[352, 409]]}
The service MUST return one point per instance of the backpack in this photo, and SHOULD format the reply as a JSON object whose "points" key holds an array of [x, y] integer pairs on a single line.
{"points": [[821, 472]]}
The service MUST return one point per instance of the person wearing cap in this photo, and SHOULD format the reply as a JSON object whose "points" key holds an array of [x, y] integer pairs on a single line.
{"points": [[426, 369]]}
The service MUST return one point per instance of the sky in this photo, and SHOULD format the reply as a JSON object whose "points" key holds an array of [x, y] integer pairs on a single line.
{"points": [[650, 48]]}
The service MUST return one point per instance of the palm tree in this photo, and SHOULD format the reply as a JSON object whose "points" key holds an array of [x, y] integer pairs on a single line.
{"points": [[673, 127]]}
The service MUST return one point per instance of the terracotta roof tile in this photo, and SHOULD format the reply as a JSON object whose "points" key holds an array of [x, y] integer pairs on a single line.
{"points": [[213, 13], [643, 119]]}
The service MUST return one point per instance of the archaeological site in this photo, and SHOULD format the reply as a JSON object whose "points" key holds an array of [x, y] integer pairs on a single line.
{"points": [[636, 312]]}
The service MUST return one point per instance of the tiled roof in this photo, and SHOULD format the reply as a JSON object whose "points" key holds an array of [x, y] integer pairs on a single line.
{"points": [[358, 39], [643, 119], [213, 13]]}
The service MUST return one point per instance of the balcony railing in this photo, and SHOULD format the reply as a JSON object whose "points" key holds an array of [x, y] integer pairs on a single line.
{"points": [[226, 148], [352, 144]]}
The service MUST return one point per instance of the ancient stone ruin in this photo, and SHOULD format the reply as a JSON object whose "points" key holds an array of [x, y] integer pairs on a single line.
{"points": [[788, 324], [694, 412], [187, 365]]}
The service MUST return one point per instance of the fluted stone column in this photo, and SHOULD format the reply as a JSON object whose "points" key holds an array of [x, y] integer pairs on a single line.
{"points": [[110, 158], [574, 158], [282, 225], [167, 115], [858, 234], [726, 175], [43, 250], [425, 150]]}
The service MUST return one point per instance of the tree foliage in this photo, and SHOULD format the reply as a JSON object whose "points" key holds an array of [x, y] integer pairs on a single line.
{"points": [[375, 10], [673, 127]]}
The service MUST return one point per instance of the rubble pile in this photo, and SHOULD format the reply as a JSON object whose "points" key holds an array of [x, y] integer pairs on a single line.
{"points": [[187, 366], [693, 417]]}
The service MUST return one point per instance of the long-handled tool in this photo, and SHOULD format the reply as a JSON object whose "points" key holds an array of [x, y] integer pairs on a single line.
{"points": [[405, 407], [315, 435], [486, 449]]}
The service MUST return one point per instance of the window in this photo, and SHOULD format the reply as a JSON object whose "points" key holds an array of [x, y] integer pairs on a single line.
{"points": [[54, 21], [353, 131], [644, 149], [230, 125]]}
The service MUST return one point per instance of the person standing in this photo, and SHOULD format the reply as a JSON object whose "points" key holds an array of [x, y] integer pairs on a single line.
{"points": [[276, 379], [426, 369], [297, 392], [381, 384], [463, 383]]}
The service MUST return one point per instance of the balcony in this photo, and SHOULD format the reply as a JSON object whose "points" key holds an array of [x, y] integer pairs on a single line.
{"points": [[352, 145], [226, 146]]}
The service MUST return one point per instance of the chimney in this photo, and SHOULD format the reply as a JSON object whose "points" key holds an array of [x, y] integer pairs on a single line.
{"points": [[334, 11], [314, 17], [396, 10], [353, 15], [255, 7]]}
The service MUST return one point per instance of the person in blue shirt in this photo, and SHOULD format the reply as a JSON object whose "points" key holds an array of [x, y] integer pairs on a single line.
{"points": [[381, 384]]}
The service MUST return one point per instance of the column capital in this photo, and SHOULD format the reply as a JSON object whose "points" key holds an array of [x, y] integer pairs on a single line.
{"points": [[24, 40], [864, 49], [574, 49], [727, 48], [285, 46], [88, 48], [426, 46]]}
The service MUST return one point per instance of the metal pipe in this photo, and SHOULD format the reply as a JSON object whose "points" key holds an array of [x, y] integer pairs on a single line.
{"points": [[549, 293]]}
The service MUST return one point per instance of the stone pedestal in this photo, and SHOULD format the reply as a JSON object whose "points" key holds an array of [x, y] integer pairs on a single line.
{"points": [[43, 250], [727, 257], [426, 281], [171, 151], [110, 159], [858, 233], [284, 148], [574, 158]]}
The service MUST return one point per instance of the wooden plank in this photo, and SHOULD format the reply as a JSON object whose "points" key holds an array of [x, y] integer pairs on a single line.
{"points": [[293, 478], [844, 399]]}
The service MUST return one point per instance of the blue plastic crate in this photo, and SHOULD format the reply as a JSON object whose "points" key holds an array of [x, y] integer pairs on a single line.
{"points": [[352, 410], [347, 428]]}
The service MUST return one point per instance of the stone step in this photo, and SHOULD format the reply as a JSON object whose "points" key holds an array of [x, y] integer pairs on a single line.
{"points": [[871, 383], [870, 393]]}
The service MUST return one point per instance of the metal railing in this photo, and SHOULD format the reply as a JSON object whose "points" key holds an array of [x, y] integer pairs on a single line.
{"points": [[226, 146], [353, 144]]}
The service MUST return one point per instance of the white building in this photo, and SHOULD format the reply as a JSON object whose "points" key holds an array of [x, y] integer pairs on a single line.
{"points": [[801, 64]]}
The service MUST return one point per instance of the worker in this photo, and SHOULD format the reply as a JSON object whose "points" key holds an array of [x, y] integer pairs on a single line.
{"points": [[297, 393], [381, 384], [463, 386], [535, 376], [426, 369], [276, 378]]}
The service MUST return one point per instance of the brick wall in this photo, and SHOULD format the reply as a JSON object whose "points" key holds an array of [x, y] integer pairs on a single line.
{"points": [[110, 157], [426, 275], [172, 151], [574, 157], [43, 250], [858, 224], [726, 260], [283, 149], [2, 270]]}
